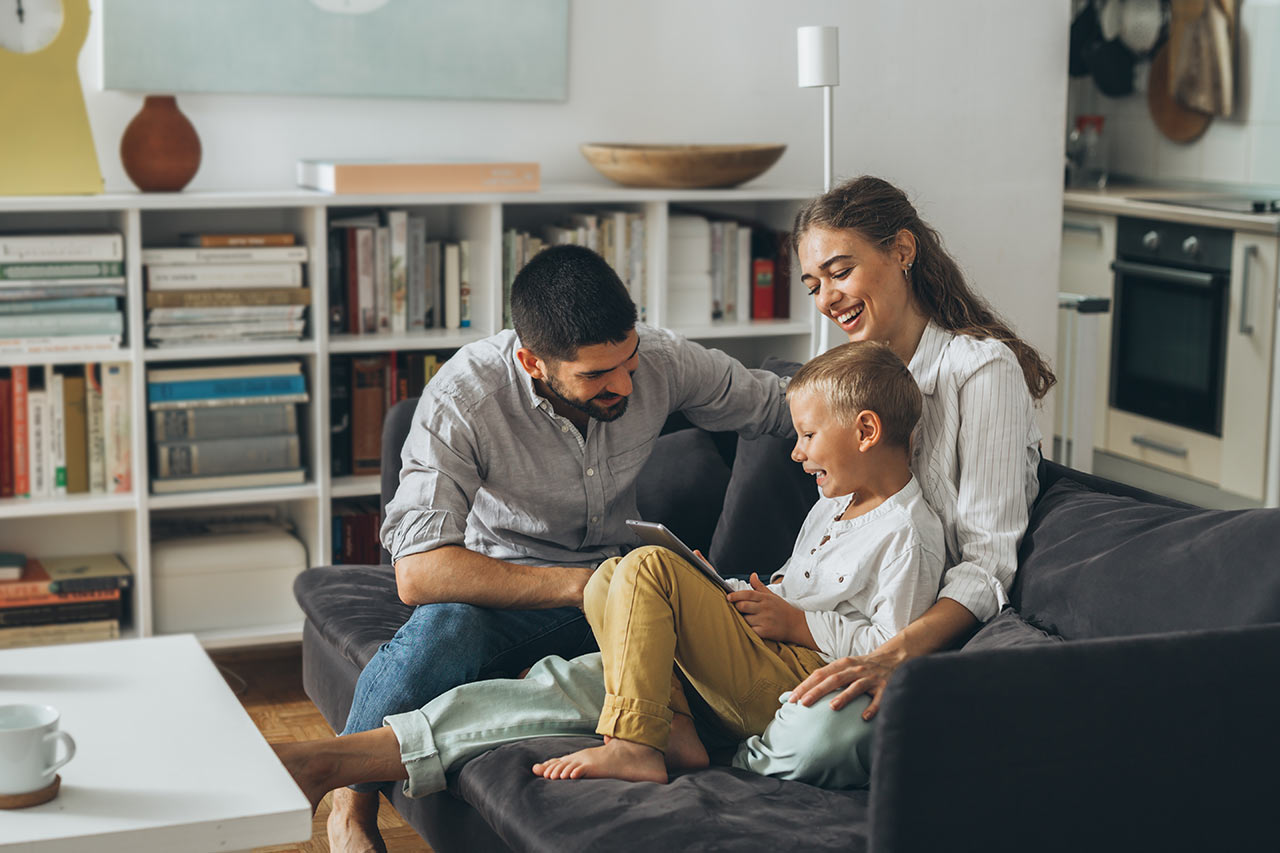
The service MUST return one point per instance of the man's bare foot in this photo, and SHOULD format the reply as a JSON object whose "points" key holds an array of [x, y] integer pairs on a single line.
{"points": [[353, 823], [309, 770], [684, 749], [617, 759]]}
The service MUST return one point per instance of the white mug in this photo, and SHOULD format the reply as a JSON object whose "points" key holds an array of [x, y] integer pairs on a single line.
{"points": [[29, 739]]}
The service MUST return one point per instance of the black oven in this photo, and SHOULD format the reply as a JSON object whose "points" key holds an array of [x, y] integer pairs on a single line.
{"points": [[1169, 333]]}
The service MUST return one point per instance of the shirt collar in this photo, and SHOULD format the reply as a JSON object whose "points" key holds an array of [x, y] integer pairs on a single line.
{"points": [[927, 359]]}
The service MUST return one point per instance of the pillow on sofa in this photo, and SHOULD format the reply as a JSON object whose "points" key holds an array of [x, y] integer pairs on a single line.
{"points": [[682, 485], [1006, 631], [768, 498], [1099, 565]]}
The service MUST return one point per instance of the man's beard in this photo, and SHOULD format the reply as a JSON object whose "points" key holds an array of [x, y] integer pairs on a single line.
{"points": [[592, 407]]}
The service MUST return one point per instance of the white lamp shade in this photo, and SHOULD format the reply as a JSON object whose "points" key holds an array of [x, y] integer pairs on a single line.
{"points": [[818, 55]]}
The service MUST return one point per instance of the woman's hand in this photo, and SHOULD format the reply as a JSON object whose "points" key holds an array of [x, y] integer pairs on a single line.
{"points": [[858, 675], [769, 614]]}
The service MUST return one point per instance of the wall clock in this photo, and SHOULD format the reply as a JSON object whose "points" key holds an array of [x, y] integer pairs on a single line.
{"points": [[46, 147]]}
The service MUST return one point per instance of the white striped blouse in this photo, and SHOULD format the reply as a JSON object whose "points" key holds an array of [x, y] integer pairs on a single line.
{"points": [[975, 453]]}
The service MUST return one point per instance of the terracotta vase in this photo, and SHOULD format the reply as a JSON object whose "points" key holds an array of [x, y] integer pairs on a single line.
{"points": [[160, 150]]}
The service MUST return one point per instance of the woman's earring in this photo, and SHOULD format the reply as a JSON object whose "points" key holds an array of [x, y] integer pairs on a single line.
{"points": [[906, 271]]}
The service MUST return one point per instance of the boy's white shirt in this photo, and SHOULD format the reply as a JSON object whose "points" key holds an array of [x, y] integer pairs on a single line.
{"points": [[874, 575]]}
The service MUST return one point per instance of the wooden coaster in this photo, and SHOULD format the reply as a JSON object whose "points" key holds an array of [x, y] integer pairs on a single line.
{"points": [[31, 798]]}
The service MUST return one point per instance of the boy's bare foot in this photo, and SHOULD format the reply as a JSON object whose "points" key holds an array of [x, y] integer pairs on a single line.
{"points": [[685, 750], [617, 759], [353, 823]]}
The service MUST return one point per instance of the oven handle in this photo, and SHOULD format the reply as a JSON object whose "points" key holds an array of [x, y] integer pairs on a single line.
{"points": [[1152, 444], [1246, 328], [1177, 276]]}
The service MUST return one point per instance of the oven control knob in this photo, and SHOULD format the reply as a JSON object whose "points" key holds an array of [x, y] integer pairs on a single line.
{"points": [[1191, 246], [1151, 240]]}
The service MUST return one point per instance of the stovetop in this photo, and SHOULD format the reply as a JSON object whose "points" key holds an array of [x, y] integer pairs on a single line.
{"points": [[1227, 203]]}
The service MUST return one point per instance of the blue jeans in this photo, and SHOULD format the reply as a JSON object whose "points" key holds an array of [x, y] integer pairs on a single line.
{"points": [[445, 645]]}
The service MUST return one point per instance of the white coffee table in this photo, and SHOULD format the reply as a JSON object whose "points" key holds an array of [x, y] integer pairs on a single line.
{"points": [[166, 760]]}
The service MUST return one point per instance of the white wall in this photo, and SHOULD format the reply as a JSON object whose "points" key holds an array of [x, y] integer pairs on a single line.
{"points": [[960, 103], [1242, 149]]}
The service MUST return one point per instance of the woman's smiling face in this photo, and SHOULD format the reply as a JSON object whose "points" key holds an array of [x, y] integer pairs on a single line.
{"points": [[861, 286]]}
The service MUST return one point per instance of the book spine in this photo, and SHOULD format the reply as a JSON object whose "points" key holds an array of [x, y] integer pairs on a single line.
{"points": [[224, 422], [762, 289], [94, 584], [368, 401], [60, 248], [59, 345], [23, 594], [335, 266], [56, 306], [37, 441], [21, 432], [264, 327], [417, 279], [53, 635], [95, 429], [62, 325], [365, 281], [216, 241], [44, 614], [782, 278], [227, 456], [434, 318], [226, 255], [382, 276], [47, 290], [246, 386], [118, 430], [57, 448], [227, 314], [464, 288], [73, 399], [743, 273], [82, 269], [228, 298], [729, 263], [187, 276], [340, 416], [398, 268], [216, 402], [452, 287], [6, 435], [638, 262]]}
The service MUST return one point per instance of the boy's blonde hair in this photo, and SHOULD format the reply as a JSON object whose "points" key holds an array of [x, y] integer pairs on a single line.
{"points": [[860, 376]]}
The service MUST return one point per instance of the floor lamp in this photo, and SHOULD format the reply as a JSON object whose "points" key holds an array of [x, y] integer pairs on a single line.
{"points": [[818, 59]]}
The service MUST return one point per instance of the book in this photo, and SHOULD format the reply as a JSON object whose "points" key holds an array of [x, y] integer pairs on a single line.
{"points": [[21, 432], [382, 277], [434, 318], [59, 344], [762, 289], [225, 371], [398, 269], [368, 406], [38, 434], [56, 449], [52, 598], [368, 176], [105, 286], [117, 429], [464, 284], [59, 634], [85, 572], [61, 270], [742, 272], [229, 481], [226, 421], [76, 431], [95, 429], [216, 391], [225, 255], [71, 611], [227, 456], [366, 301], [335, 278], [247, 328], [6, 434], [12, 564], [227, 314], [416, 279], [62, 325], [266, 296], [452, 287], [340, 416], [61, 248], [214, 241], [194, 276], [73, 305]]}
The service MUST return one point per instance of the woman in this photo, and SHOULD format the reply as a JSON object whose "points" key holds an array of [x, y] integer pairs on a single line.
{"points": [[880, 272]]}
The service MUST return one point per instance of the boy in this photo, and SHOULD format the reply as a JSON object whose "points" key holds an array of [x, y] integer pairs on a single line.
{"points": [[868, 560]]}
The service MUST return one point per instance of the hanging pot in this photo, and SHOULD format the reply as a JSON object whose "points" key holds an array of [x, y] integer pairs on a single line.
{"points": [[1084, 35], [1111, 64]]}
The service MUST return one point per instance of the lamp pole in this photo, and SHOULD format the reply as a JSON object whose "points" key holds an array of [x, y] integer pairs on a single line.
{"points": [[818, 65]]}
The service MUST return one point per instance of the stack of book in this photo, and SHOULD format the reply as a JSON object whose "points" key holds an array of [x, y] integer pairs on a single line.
{"points": [[724, 270], [60, 293], [356, 527], [618, 236], [226, 426], [386, 275], [65, 430], [64, 600], [226, 287], [361, 390]]}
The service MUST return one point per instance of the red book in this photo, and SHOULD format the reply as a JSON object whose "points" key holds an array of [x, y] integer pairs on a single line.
{"points": [[21, 459], [6, 437], [762, 293]]}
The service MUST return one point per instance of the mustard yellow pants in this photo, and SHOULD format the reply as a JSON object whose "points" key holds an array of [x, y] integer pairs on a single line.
{"points": [[650, 610]]}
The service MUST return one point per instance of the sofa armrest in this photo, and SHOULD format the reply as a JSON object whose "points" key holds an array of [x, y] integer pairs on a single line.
{"points": [[1157, 742]]}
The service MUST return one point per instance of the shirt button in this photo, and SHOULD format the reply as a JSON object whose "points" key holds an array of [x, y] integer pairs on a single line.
{"points": [[806, 574], [594, 519], [591, 472], [564, 427], [813, 550], [840, 579]]}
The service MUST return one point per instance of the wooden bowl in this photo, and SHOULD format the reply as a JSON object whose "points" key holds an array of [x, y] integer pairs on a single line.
{"points": [[681, 166]]}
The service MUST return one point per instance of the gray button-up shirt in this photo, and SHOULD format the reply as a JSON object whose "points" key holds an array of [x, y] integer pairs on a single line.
{"points": [[490, 466]]}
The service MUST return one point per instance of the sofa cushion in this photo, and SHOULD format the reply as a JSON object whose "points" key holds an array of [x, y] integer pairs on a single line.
{"points": [[683, 485], [1099, 565], [1007, 631], [766, 502]]}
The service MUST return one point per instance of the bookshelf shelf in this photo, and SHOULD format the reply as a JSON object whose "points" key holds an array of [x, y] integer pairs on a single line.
{"points": [[123, 523]]}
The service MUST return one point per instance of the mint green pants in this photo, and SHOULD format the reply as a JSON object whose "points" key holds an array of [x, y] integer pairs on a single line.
{"points": [[558, 697]]}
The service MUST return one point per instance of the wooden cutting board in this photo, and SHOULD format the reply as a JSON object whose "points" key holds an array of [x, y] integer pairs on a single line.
{"points": [[1175, 121]]}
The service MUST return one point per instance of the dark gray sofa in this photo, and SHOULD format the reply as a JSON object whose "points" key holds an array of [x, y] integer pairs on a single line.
{"points": [[1127, 700]]}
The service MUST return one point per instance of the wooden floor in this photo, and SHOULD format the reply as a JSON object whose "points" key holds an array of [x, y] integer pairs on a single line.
{"points": [[268, 683]]}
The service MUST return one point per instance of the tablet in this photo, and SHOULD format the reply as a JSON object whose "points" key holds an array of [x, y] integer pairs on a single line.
{"points": [[659, 534]]}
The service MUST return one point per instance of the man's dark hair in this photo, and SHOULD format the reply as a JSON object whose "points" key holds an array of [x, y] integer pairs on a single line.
{"points": [[569, 297]]}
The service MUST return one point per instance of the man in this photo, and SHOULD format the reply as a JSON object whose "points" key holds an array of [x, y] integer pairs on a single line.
{"points": [[518, 475]]}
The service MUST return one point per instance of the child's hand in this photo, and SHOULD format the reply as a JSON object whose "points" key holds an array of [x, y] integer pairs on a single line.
{"points": [[769, 614]]}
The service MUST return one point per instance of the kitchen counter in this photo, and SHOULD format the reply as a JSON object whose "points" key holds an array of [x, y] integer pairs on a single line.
{"points": [[1135, 200]]}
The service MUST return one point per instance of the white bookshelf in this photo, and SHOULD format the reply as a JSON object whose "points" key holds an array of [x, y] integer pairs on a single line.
{"points": [[122, 523]]}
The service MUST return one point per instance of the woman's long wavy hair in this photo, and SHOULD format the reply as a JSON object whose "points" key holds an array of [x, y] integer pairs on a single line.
{"points": [[878, 210]]}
